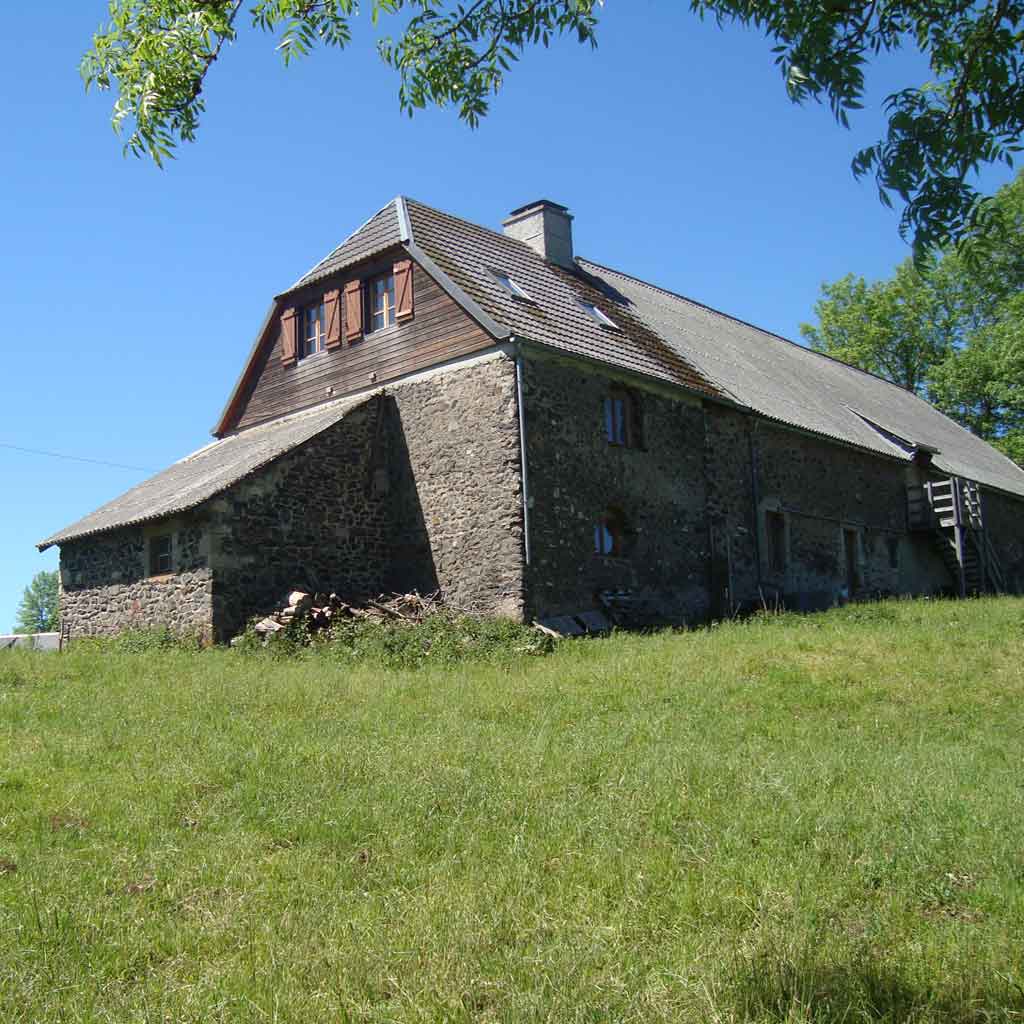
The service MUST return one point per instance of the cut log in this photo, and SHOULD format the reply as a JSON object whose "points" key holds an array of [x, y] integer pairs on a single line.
{"points": [[388, 611]]}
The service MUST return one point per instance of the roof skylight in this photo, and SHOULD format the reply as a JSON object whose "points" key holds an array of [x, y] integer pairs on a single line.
{"points": [[595, 314], [509, 285]]}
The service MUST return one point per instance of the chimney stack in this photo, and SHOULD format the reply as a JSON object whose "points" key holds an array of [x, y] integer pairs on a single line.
{"points": [[545, 227]]}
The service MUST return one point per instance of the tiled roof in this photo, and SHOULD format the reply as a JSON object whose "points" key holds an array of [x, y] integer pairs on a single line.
{"points": [[468, 254], [794, 385], [208, 471], [382, 231]]}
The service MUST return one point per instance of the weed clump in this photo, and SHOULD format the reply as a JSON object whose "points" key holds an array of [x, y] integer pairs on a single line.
{"points": [[141, 641], [441, 639]]}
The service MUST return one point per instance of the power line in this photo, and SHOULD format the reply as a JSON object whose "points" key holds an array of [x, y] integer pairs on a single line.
{"points": [[74, 458]]}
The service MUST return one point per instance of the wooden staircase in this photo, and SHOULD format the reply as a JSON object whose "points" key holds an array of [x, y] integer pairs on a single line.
{"points": [[950, 511]]}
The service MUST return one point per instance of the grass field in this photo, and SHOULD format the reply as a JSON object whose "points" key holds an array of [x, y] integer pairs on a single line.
{"points": [[789, 819]]}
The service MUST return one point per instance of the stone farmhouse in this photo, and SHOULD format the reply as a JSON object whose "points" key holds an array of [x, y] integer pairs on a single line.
{"points": [[439, 406]]}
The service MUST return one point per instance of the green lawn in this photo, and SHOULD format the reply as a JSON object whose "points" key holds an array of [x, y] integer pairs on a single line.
{"points": [[791, 819]]}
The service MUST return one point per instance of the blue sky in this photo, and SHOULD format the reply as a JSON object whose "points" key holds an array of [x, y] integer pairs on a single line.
{"points": [[132, 295]]}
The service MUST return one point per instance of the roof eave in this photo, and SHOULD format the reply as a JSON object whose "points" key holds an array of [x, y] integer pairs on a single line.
{"points": [[721, 398]]}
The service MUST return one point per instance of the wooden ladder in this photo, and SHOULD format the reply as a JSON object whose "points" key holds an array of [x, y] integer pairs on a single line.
{"points": [[951, 512]]}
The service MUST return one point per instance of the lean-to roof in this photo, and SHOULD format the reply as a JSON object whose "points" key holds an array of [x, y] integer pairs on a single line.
{"points": [[208, 471]]}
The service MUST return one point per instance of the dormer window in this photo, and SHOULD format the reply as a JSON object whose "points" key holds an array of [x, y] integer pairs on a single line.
{"points": [[509, 285], [597, 316], [314, 330], [381, 291]]}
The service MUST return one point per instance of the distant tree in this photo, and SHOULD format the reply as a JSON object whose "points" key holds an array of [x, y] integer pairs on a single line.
{"points": [[970, 112], [898, 328], [982, 385], [39, 611], [952, 332]]}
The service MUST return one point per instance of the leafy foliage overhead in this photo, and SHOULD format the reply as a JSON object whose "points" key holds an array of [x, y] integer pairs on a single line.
{"points": [[157, 53], [940, 132]]}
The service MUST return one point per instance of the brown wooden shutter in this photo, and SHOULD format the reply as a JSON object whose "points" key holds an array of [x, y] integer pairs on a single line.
{"points": [[288, 332], [403, 289], [353, 310], [332, 316]]}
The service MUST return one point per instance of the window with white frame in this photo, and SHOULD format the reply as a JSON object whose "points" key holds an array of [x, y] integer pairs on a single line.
{"points": [[314, 330], [382, 301]]}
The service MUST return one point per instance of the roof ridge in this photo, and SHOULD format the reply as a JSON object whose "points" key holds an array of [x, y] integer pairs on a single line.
{"points": [[473, 224], [753, 326], [404, 224]]}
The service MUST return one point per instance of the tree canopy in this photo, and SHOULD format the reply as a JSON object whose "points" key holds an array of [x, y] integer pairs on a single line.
{"points": [[952, 332], [39, 611], [157, 53]]}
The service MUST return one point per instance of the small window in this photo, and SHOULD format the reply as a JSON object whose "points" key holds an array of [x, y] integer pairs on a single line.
{"points": [[894, 553], [314, 330], [382, 301], [160, 555], [622, 419], [775, 535], [595, 314], [608, 533], [509, 285]]}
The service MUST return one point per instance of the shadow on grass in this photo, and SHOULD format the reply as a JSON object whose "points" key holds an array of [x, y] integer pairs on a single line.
{"points": [[778, 989]]}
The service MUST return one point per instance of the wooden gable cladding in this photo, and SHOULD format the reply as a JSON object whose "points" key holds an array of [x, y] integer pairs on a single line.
{"points": [[439, 331], [403, 289], [289, 336], [354, 310]]}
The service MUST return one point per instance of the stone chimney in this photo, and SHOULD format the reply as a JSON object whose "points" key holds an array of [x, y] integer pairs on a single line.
{"points": [[545, 227]]}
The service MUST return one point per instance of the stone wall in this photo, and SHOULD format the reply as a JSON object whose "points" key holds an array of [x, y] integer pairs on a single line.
{"points": [[695, 498], [429, 500], [1004, 520], [825, 490], [310, 519], [106, 587], [420, 488], [455, 488], [732, 522], [576, 477], [417, 488]]}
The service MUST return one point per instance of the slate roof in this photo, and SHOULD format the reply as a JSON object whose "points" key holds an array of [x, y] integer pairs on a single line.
{"points": [[208, 471], [786, 382]]}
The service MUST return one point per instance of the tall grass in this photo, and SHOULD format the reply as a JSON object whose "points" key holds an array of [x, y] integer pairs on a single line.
{"points": [[789, 819]]}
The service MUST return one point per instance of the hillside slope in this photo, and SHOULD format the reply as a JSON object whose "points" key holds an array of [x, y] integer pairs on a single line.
{"points": [[789, 819]]}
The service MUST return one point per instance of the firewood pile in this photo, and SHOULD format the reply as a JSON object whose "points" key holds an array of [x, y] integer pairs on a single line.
{"points": [[319, 610]]}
